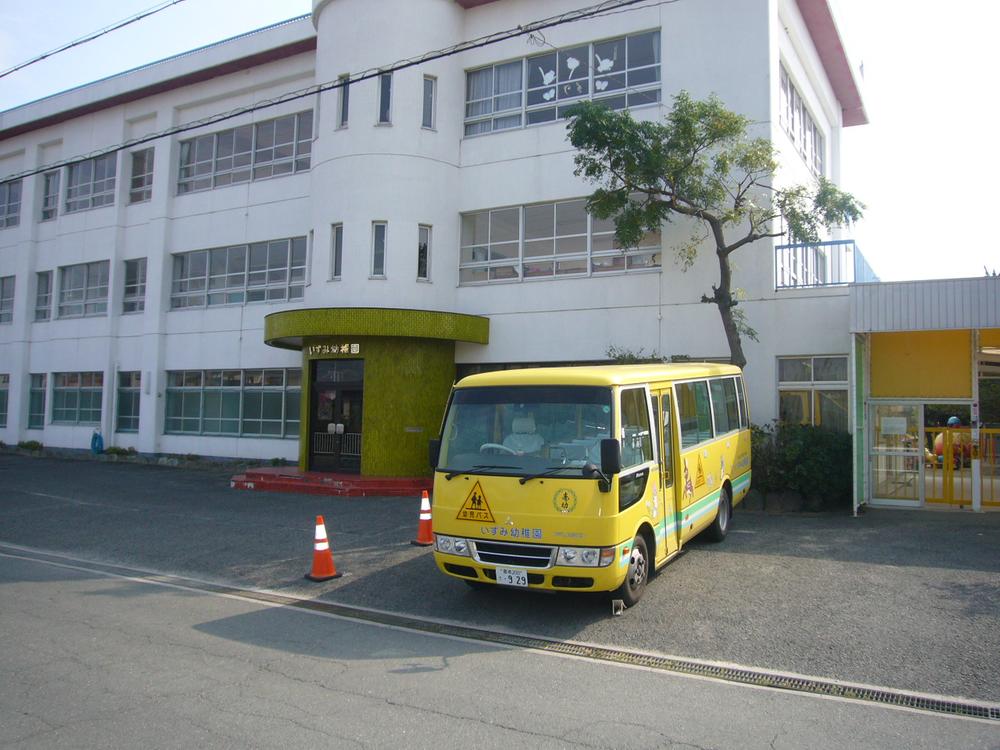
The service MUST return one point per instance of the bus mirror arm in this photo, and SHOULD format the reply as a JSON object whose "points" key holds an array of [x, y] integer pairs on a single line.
{"points": [[590, 471], [611, 464]]}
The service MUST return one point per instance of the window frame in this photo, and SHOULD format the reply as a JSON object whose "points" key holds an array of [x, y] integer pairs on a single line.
{"points": [[424, 239], [141, 182], [94, 187], [91, 301], [73, 403], [128, 399], [220, 386], [232, 274], [377, 268], [43, 301], [8, 287], [428, 115], [134, 291], [488, 110], [344, 101], [203, 165], [506, 259], [4, 397], [51, 184], [336, 250], [799, 124], [37, 392], [11, 198], [383, 115], [810, 392]]}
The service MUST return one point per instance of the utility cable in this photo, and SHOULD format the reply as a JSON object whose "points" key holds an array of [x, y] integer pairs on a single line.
{"points": [[602, 8], [91, 37]]}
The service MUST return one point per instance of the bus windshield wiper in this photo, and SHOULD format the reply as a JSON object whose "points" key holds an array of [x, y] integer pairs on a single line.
{"points": [[547, 473], [452, 474]]}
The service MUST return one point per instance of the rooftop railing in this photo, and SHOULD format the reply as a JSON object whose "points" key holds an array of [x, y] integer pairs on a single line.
{"points": [[816, 264]]}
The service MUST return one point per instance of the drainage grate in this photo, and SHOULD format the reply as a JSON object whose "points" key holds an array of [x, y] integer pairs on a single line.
{"points": [[898, 698]]}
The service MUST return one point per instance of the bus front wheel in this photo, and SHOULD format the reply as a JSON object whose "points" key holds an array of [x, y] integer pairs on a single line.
{"points": [[634, 584]]}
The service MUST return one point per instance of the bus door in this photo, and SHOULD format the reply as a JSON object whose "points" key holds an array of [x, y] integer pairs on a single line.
{"points": [[663, 416]]}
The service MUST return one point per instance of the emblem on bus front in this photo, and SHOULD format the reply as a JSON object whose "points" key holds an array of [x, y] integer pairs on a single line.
{"points": [[564, 500]]}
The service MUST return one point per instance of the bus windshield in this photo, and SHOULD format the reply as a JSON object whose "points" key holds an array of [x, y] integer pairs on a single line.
{"points": [[523, 430]]}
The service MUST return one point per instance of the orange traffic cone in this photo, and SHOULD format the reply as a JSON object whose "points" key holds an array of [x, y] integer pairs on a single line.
{"points": [[323, 568], [424, 536]]}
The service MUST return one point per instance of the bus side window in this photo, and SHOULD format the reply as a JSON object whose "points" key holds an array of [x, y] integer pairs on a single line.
{"points": [[667, 447], [744, 416], [637, 444], [695, 411]]}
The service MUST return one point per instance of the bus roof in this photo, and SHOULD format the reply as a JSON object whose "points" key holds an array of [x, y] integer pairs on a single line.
{"points": [[606, 375]]}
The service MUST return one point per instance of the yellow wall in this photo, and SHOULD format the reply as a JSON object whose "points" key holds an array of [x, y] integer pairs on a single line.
{"points": [[989, 337], [921, 364]]}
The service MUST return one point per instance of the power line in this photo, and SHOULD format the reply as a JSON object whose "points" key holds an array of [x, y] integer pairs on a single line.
{"points": [[90, 37], [592, 11]]}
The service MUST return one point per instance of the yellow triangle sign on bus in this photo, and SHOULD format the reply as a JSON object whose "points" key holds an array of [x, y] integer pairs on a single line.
{"points": [[475, 507]]}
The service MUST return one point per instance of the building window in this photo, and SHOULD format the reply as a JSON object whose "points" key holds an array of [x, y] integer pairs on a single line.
{"points": [[430, 89], [338, 249], [619, 73], [7, 299], [384, 98], [256, 403], [134, 299], [800, 125], [43, 295], [344, 102], [10, 203], [76, 397], [141, 185], [423, 252], [127, 415], [249, 152], [813, 390], [91, 183], [273, 271], [4, 391], [378, 248], [36, 401], [50, 195], [83, 289], [559, 239]]}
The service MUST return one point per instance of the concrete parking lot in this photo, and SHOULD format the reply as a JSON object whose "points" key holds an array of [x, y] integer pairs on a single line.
{"points": [[903, 599]]}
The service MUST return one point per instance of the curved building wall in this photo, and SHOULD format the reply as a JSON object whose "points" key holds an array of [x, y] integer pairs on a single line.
{"points": [[399, 173]]}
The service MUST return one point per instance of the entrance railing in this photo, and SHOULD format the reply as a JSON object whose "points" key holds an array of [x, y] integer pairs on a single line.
{"points": [[948, 458], [345, 444]]}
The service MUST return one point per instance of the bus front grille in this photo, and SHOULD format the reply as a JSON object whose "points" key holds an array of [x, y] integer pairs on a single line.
{"points": [[519, 555]]}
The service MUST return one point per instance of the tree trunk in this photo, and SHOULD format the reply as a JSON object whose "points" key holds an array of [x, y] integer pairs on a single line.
{"points": [[723, 296]]}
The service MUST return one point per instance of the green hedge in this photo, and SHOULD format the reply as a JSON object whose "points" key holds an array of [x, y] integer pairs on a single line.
{"points": [[813, 461]]}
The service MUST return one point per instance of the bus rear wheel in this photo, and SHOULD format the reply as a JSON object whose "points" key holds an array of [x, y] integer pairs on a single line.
{"points": [[720, 526], [634, 584]]}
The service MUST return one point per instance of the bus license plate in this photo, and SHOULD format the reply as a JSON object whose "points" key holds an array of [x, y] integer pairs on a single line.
{"points": [[512, 577]]}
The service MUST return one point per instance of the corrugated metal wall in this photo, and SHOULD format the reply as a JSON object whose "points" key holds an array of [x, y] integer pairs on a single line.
{"points": [[926, 305]]}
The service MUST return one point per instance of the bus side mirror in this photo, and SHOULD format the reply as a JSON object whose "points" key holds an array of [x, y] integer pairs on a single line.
{"points": [[611, 456], [434, 452]]}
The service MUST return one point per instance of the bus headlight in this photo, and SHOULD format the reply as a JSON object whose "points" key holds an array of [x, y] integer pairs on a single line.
{"points": [[585, 557], [452, 545]]}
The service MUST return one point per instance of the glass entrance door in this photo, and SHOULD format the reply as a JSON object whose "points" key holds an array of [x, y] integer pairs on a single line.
{"points": [[335, 415], [897, 454]]}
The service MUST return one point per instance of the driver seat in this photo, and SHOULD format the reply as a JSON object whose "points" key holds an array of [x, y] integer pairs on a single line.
{"points": [[523, 437]]}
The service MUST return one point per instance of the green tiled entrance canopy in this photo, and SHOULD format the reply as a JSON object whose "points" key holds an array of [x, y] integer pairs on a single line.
{"points": [[290, 328]]}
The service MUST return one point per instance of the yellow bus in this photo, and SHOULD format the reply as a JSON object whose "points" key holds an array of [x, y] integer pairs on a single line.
{"points": [[586, 478]]}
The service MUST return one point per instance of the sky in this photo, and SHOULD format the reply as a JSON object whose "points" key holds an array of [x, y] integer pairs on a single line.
{"points": [[928, 81]]}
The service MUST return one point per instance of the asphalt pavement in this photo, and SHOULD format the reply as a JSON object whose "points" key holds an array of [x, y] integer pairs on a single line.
{"points": [[903, 599]]}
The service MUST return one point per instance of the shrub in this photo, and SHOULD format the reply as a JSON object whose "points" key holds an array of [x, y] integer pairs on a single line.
{"points": [[114, 450], [30, 445], [813, 461]]}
